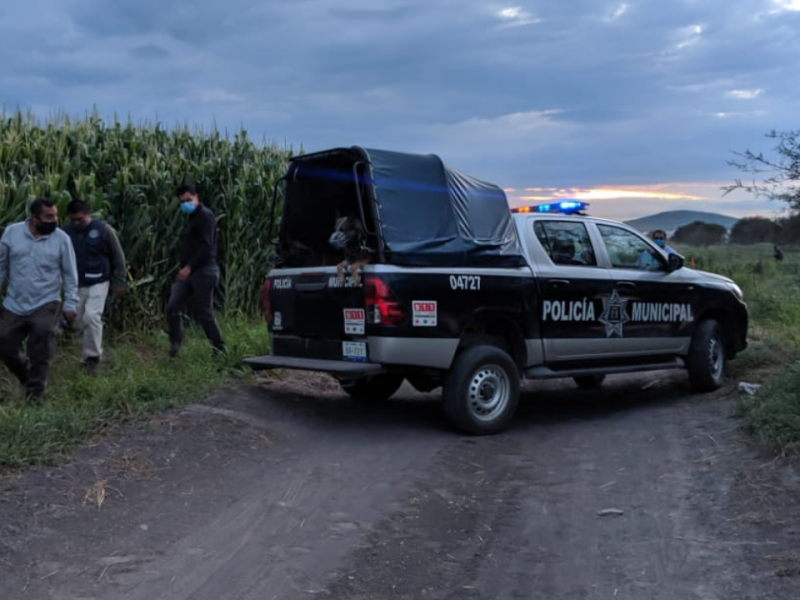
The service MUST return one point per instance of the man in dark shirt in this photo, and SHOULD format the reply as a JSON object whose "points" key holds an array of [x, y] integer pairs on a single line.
{"points": [[198, 274], [101, 264]]}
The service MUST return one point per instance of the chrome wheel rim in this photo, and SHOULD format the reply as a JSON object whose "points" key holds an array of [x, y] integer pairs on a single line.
{"points": [[488, 393]]}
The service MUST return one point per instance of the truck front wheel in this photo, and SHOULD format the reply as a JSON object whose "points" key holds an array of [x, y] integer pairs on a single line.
{"points": [[706, 359], [375, 388], [481, 391]]}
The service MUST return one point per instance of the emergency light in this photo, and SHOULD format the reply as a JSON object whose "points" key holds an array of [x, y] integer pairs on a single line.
{"points": [[564, 207]]}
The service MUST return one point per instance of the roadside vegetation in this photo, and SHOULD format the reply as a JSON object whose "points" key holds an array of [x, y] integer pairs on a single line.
{"points": [[135, 379], [128, 173], [772, 291]]}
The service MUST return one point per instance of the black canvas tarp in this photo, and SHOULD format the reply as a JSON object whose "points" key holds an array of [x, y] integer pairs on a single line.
{"points": [[426, 213], [432, 214]]}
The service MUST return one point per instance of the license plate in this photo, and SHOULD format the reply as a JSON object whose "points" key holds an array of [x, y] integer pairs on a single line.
{"points": [[355, 351]]}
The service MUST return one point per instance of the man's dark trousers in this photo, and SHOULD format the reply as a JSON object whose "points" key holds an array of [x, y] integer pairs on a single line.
{"points": [[39, 328], [200, 285]]}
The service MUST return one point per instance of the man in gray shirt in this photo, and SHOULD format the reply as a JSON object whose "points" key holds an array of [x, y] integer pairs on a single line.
{"points": [[38, 260]]}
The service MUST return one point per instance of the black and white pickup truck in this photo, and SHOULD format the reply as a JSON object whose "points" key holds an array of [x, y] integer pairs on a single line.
{"points": [[464, 293]]}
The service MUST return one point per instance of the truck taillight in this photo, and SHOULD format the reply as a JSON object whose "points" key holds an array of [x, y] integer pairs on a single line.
{"points": [[266, 302], [382, 305]]}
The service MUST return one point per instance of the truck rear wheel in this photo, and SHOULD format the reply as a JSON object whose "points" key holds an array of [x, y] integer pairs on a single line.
{"points": [[375, 388], [481, 391], [706, 360]]}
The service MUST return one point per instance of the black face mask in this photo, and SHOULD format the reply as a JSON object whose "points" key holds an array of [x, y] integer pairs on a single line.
{"points": [[80, 226], [45, 228]]}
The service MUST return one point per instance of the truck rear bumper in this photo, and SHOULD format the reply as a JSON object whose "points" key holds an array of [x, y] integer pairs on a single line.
{"points": [[335, 367]]}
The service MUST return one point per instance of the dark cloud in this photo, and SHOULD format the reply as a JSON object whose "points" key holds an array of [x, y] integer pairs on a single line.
{"points": [[149, 51], [196, 24], [371, 14], [64, 75], [523, 93]]}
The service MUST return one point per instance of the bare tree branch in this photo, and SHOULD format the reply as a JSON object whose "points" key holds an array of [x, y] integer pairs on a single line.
{"points": [[776, 178]]}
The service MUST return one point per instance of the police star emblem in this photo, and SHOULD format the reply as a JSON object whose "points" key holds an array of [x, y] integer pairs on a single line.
{"points": [[614, 315]]}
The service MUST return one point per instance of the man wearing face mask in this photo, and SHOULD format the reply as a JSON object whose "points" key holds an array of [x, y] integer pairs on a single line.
{"points": [[100, 261], [647, 259], [198, 274], [660, 238], [38, 261]]}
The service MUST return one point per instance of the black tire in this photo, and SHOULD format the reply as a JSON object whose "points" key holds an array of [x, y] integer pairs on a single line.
{"points": [[475, 372], [706, 360], [375, 388], [589, 382]]}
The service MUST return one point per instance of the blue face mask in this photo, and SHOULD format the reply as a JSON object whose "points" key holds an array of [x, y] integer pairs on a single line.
{"points": [[188, 207], [660, 243]]}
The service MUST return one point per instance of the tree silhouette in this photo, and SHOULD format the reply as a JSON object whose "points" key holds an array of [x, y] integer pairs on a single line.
{"points": [[700, 234], [755, 230]]}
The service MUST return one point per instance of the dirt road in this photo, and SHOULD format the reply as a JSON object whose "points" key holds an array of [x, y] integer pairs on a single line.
{"points": [[290, 490]]}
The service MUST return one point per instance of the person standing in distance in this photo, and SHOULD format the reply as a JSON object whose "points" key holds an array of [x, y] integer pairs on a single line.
{"points": [[647, 259], [660, 238], [198, 274], [100, 259], [38, 261]]}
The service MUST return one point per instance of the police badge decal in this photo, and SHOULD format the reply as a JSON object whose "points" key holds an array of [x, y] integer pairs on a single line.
{"points": [[614, 315]]}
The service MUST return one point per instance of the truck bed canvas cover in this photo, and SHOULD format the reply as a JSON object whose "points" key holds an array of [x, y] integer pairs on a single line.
{"points": [[430, 214]]}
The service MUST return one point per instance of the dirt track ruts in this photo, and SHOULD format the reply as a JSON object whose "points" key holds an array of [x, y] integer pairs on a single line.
{"points": [[290, 490]]}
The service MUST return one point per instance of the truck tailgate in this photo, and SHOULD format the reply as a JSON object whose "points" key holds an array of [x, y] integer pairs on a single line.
{"points": [[317, 316]]}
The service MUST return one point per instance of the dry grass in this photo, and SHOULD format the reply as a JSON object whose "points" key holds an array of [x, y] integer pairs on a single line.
{"points": [[97, 493], [305, 383], [132, 465]]}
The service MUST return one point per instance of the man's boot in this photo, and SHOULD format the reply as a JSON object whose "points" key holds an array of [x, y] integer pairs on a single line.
{"points": [[90, 364]]}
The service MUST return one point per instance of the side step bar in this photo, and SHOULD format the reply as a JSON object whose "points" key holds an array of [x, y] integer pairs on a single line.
{"points": [[548, 373], [338, 367]]}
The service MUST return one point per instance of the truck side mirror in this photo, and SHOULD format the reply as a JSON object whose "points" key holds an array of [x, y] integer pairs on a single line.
{"points": [[674, 262]]}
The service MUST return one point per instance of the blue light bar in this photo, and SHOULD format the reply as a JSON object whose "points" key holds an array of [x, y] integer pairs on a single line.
{"points": [[565, 207]]}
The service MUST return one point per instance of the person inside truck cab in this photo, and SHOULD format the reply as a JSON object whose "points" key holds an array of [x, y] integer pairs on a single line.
{"points": [[564, 253]]}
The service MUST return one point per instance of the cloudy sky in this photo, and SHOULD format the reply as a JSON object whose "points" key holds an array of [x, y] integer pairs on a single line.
{"points": [[635, 106]]}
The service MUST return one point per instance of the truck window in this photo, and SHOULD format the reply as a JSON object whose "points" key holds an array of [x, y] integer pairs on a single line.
{"points": [[626, 250], [566, 242]]}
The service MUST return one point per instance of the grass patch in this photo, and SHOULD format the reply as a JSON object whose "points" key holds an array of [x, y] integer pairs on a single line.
{"points": [[136, 378], [772, 292], [762, 360], [773, 414]]}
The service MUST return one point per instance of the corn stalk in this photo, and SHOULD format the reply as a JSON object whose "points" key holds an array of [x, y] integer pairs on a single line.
{"points": [[128, 173]]}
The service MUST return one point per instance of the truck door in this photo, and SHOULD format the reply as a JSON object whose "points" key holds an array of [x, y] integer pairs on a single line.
{"points": [[659, 306], [570, 284]]}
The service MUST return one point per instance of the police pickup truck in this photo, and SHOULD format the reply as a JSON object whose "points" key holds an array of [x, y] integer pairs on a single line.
{"points": [[462, 292]]}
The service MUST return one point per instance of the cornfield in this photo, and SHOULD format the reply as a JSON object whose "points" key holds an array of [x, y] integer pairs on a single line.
{"points": [[128, 173]]}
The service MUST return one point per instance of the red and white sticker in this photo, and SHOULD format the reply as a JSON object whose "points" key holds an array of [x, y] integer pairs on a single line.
{"points": [[424, 313], [354, 321]]}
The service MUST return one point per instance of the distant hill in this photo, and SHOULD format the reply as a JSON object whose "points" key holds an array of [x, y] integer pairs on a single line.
{"points": [[670, 220]]}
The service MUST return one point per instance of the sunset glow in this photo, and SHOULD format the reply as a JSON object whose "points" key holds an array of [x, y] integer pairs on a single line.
{"points": [[628, 201], [656, 192]]}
